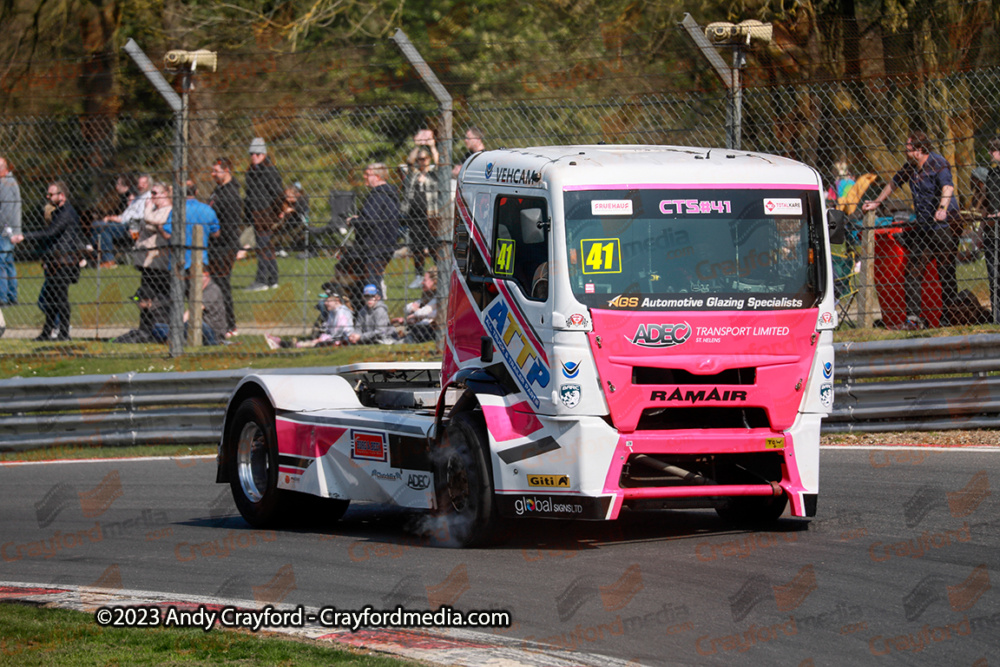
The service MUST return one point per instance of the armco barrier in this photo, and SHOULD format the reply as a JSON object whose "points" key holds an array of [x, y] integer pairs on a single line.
{"points": [[120, 410], [968, 397], [187, 408]]}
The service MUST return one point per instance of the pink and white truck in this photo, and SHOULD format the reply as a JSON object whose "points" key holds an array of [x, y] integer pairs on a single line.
{"points": [[629, 328]]}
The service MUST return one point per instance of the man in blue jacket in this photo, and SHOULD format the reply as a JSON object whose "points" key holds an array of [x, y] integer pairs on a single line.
{"points": [[195, 213]]}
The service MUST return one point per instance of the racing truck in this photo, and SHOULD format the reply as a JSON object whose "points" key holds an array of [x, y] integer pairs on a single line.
{"points": [[629, 328]]}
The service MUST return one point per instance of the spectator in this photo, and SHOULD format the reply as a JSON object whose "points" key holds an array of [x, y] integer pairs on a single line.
{"points": [[152, 252], [118, 225], [420, 199], [264, 200], [222, 249], [473, 144], [60, 261], [930, 236], [844, 179], [10, 226], [154, 312], [337, 326], [294, 218], [421, 315], [213, 320], [376, 227], [372, 324], [195, 213], [990, 228]]}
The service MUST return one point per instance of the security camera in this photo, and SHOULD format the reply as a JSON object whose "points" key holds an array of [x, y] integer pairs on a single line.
{"points": [[179, 59], [745, 32]]}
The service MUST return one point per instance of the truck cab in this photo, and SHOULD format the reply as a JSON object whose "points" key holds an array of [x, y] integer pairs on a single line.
{"points": [[629, 328], [654, 326]]}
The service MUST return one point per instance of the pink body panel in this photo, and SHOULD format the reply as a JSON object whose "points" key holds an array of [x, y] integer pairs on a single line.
{"points": [[776, 343], [511, 422], [306, 440]]}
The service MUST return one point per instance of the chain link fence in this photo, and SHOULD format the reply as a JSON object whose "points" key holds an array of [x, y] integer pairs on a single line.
{"points": [[853, 132]]}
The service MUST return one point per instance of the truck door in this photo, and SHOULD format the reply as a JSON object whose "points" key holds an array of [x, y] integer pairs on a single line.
{"points": [[520, 318]]}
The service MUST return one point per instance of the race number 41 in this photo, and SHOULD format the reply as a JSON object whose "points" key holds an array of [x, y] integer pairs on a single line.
{"points": [[601, 255]]}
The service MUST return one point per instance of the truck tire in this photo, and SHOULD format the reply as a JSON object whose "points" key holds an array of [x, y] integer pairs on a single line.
{"points": [[253, 461], [463, 482], [752, 510]]}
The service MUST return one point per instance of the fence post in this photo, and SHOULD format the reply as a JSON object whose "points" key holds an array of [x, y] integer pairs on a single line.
{"points": [[866, 290]]}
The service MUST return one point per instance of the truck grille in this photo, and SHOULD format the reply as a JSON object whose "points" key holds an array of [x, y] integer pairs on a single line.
{"points": [[754, 468], [668, 419], [646, 375]]}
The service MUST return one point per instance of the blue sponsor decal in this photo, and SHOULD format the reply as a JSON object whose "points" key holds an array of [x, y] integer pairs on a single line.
{"points": [[571, 369], [489, 170], [828, 370], [526, 367]]}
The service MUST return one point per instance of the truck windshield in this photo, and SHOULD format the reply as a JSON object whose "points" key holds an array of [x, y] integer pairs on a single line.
{"points": [[695, 249]]}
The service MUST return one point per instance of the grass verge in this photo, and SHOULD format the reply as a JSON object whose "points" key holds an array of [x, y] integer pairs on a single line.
{"points": [[31, 635], [78, 357]]}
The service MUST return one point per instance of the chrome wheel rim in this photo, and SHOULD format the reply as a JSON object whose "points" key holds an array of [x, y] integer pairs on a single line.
{"points": [[252, 462]]}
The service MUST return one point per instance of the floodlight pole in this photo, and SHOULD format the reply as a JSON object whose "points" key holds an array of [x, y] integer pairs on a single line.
{"points": [[178, 226], [443, 234]]}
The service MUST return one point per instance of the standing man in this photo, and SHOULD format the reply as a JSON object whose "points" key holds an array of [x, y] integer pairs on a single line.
{"points": [[376, 226], [929, 236], [991, 225], [228, 206], [473, 144], [264, 200], [10, 226], [60, 262]]}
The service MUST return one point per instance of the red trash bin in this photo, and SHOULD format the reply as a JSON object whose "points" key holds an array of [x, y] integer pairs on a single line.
{"points": [[890, 262]]}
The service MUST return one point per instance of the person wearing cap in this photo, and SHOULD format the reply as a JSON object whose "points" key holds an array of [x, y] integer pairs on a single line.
{"points": [[213, 317], [372, 325], [337, 326], [154, 310], [265, 198]]}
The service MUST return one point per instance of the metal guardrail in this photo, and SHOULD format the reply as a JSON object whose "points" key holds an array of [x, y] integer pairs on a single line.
{"points": [[120, 410], [967, 398], [187, 408]]}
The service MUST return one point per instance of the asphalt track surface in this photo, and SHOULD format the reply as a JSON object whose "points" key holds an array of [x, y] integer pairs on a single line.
{"points": [[900, 567]]}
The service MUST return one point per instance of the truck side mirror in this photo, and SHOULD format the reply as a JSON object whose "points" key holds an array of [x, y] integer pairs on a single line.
{"points": [[533, 227], [835, 222]]}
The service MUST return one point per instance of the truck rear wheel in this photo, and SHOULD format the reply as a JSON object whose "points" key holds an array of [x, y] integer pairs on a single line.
{"points": [[253, 460], [463, 482]]}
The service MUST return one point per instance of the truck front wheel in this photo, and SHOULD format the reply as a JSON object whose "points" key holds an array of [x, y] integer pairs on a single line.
{"points": [[463, 482], [253, 460]]}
